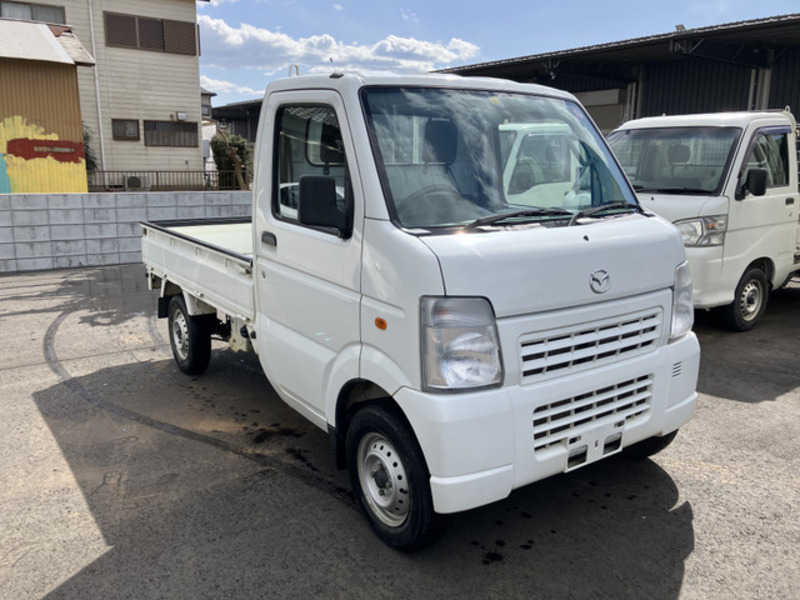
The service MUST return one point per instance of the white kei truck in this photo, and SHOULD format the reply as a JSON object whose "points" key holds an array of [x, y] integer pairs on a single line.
{"points": [[454, 345], [729, 182]]}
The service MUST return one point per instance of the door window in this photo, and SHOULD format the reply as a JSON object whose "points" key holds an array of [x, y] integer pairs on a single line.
{"points": [[309, 143], [770, 152]]}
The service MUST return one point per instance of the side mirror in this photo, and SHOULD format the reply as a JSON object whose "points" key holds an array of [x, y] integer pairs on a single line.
{"points": [[756, 183], [318, 207]]}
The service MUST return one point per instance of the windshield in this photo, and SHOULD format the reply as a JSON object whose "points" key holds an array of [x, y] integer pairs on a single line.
{"points": [[676, 160], [448, 158]]}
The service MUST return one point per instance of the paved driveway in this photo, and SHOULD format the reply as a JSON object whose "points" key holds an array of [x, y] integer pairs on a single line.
{"points": [[121, 477]]}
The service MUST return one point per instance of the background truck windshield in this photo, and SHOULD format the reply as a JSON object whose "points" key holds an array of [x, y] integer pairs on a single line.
{"points": [[450, 157], [676, 160]]}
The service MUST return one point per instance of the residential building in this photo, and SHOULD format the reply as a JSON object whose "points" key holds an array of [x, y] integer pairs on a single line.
{"points": [[205, 103], [240, 118], [141, 102]]}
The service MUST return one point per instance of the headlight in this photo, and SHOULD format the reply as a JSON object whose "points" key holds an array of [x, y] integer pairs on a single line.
{"points": [[460, 347], [706, 231], [682, 302]]}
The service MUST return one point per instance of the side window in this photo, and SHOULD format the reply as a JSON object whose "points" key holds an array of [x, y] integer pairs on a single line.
{"points": [[309, 142], [770, 152]]}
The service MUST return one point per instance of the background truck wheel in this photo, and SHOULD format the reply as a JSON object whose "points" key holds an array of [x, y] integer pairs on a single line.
{"points": [[190, 338], [390, 480], [750, 301], [649, 447]]}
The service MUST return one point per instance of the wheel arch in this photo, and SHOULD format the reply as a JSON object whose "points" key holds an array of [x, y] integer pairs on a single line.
{"points": [[167, 289], [354, 395], [766, 265]]}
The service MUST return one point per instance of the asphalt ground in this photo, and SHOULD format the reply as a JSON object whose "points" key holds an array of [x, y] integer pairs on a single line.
{"points": [[121, 477]]}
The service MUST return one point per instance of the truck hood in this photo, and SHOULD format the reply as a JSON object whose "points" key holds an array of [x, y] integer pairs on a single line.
{"points": [[523, 271], [677, 207]]}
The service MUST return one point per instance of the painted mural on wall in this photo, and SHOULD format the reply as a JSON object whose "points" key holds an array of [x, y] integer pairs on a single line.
{"points": [[33, 161]]}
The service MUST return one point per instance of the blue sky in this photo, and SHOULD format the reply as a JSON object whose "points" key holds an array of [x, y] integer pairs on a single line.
{"points": [[247, 43]]}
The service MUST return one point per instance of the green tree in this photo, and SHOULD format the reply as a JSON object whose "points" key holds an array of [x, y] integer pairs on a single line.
{"points": [[232, 154], [88, 151]]}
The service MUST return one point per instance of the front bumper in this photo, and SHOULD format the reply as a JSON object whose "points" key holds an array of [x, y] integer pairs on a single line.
{"points": [[708, 288], [480, 446]]}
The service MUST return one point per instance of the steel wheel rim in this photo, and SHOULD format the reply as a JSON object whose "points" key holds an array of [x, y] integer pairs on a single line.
{"points": [[180, 335], [750, 300], [383, 479]]}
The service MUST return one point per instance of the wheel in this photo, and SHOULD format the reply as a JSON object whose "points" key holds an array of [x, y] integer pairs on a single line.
{"points": [[190, 338], [390, 480], [650, 446], [749, 303]]}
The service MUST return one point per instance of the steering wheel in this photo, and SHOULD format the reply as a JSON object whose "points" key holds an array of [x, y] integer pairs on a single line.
{"points": [[438, 204]]}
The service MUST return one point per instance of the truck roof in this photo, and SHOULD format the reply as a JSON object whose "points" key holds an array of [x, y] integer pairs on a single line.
{"points": [[354, 81], [721, 119]]}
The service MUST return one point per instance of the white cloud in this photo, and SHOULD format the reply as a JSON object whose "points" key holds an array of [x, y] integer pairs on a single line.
{"points": [[408, 15], [246, 46], [338, 7], [226, 87], [215, 3]]}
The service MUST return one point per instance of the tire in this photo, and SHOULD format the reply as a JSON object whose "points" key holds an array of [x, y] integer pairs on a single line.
{"points": [[649, 447], [390, 480], [190, 338], [749, 303]]}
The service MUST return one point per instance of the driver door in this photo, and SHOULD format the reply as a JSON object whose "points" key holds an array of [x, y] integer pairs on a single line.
{"points": [[764, 226], [308, 279]]}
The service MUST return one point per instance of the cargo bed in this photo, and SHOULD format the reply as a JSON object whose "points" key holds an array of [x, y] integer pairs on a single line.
{"points": [[208, 259]]}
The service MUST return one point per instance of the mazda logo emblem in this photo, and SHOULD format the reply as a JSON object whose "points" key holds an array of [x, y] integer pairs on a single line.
{"points": [[599, 281]]}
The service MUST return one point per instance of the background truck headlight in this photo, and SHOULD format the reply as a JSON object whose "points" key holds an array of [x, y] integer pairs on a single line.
{"points": [[682, 302], [460, 345], [705, 231]]}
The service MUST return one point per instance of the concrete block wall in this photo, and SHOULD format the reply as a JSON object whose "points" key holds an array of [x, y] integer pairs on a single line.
{"points": [[59, 231]]}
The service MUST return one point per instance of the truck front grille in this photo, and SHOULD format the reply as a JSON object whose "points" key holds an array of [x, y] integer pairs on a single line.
{"points": [[585, 346], [556, 422]]}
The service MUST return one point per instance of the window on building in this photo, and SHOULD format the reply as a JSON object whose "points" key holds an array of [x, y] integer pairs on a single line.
{"points": [[125, 130], [145, 33], [151, 33], [171, 133], [180, 37], [32, 12]]}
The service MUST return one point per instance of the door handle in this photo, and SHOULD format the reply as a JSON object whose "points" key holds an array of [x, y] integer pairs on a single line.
{"points": [[789, 201], [268, 238]]}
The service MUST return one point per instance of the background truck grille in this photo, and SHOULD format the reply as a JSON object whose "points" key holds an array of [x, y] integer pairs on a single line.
{"points": [[582, 347], [556, 422]]}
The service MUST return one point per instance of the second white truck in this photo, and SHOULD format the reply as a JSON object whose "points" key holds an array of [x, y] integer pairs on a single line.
{"points": [[454, 344], [729, 182]]}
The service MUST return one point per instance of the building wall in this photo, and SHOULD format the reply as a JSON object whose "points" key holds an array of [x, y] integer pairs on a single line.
{"points": [[785, 90], [59, 231], [41, 138], [694, 86], [135, 84]]}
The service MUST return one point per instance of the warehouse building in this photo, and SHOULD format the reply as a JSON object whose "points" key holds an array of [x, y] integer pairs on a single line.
{"points": [[748, 65]]}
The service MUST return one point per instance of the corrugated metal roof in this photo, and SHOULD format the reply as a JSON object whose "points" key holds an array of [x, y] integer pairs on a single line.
{"points": [[30, 41], [69, 41], [771, 31]]}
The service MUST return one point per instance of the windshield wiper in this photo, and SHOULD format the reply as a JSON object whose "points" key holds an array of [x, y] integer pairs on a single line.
{"points": [[528, 212], [596, 210]]}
